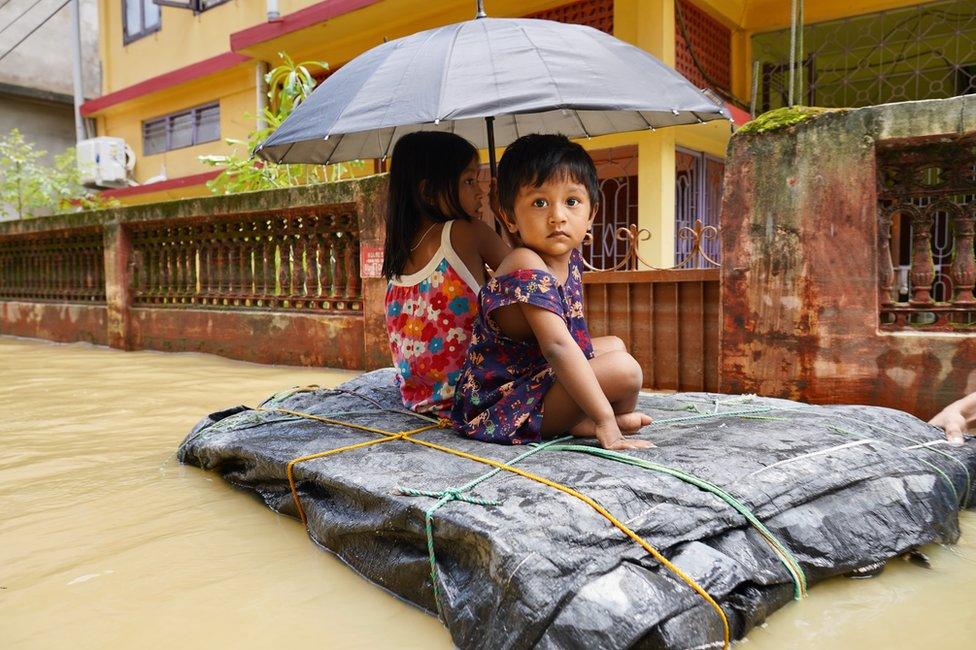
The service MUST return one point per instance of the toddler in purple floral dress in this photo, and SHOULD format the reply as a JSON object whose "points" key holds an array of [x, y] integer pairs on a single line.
{"points": [[531, 369]]}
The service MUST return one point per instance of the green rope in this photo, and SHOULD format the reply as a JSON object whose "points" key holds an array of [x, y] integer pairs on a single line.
{"points": [[933, 466], [965, 469], [457, 494], [785, 556], [716, 414], [454, 494]]}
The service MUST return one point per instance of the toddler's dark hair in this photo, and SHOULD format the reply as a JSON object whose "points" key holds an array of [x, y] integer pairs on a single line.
{"points": [[535, 158], [434, 160]]}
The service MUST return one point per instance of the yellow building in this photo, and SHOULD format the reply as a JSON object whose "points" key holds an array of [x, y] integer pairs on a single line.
{"points": [[180, 78]]}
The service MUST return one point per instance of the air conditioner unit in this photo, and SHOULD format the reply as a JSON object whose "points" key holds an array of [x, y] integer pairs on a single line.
{"points": [[105, 162]]}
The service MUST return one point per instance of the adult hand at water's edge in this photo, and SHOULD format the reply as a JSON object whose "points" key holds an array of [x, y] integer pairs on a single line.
{"points": [[957, 418]]}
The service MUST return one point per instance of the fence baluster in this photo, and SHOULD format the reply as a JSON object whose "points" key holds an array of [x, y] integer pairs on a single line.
{"points": [[886, 272], [267, 265], [963, 269], [923, 270], [351, 255]]}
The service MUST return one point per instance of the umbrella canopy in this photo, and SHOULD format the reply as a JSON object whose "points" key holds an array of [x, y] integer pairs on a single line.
{"points": [[531, 76]]}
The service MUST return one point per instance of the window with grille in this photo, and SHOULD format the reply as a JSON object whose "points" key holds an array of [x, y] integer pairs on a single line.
{"points": [[927, 51], [597, 14], [139, 18], [182, 129], [702, 48], [697, 195]]}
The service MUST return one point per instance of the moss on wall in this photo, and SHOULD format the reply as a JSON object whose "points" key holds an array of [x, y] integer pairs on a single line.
{"points": [[780, 118]]}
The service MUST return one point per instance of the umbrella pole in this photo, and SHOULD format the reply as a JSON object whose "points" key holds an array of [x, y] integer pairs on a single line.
{"points": [[492, 165], [493, 185]]}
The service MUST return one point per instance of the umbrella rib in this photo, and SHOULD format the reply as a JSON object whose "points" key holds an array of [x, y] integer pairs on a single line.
{"points": [[389, 143], [335, 148], [447, 66], [406, 69], [494, 72], [287, 151], [342, 111], [602, 45], [544, 64], [562, 102]]}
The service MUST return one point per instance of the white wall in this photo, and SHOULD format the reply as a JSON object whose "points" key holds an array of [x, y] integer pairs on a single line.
{"points": [[43, 61]]}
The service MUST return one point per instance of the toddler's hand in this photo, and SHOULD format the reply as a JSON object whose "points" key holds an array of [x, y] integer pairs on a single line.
{"points": [[609, 437]]}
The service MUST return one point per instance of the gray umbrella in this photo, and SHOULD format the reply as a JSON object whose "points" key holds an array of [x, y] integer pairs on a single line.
{"points": [[520, 75]]}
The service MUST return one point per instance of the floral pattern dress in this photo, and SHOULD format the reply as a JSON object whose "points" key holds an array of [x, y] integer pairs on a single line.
{"points": [[499, 394], [429, 316]]}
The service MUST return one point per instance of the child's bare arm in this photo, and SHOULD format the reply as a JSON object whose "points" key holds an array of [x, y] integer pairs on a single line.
{"points": [[491, 246], [570, 365], [477, 244]]}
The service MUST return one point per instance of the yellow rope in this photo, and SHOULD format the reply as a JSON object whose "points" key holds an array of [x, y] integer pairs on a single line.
{"points": [[290, 470], [405, 435], [603, 511]]}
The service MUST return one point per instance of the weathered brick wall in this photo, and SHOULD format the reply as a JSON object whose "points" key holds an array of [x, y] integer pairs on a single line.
{"points": [[800, 272]]}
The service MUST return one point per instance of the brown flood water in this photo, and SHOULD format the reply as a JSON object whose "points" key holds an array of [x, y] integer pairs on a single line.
{"points": [[107, 542]]}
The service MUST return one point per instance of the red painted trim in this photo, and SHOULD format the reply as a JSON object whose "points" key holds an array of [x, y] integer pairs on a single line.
{"points": [[169, 184], [307, 17], [739, 116], [166, 80]]}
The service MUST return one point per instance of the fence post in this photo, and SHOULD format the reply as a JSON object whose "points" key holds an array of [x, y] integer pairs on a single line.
{"points": [[371, 207], [118, 290]]}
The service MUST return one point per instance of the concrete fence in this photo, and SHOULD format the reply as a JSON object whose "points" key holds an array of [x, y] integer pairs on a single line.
{"points": [[270, 277]]}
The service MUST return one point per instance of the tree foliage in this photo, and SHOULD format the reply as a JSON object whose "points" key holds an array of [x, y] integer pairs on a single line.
{"points": [[30, 187], [289, 84]]}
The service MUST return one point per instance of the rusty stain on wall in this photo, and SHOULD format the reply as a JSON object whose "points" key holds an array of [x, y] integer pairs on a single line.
{"points": [[800, 309]]}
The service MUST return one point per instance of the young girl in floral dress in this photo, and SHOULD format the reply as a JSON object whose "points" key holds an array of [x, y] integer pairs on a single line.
{"points": [[434, 259], [531, 370]]}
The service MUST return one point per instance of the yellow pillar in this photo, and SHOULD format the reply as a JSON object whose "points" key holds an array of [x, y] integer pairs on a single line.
{"points": [[649, 24], [655, 196], [742, 65]]}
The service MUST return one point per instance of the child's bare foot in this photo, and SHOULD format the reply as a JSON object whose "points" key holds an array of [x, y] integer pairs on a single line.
{"points": [[628, 423], [631, 423], [610, 437]]}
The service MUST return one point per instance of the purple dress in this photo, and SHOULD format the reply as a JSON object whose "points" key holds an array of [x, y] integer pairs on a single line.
{"points": [[503, 381]]}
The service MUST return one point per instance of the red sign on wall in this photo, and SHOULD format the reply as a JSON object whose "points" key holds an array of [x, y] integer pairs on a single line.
{"points": [[370, 261]]}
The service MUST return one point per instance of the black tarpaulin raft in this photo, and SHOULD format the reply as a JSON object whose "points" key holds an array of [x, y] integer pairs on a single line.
{"points": [[747, 499]]}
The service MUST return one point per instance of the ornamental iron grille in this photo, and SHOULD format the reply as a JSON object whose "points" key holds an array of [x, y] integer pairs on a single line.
{"points": [[60, 266], [616, 170], [597, 14], [287, 260], [927, 51], [697, 197], [708, 41], [926, 211]]}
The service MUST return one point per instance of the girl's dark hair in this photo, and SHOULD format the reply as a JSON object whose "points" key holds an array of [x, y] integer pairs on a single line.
{"points": [[535, 158], [432, 159]]}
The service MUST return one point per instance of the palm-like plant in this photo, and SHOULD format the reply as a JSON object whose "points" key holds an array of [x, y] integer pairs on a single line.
{"points": [[289, 84]]}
